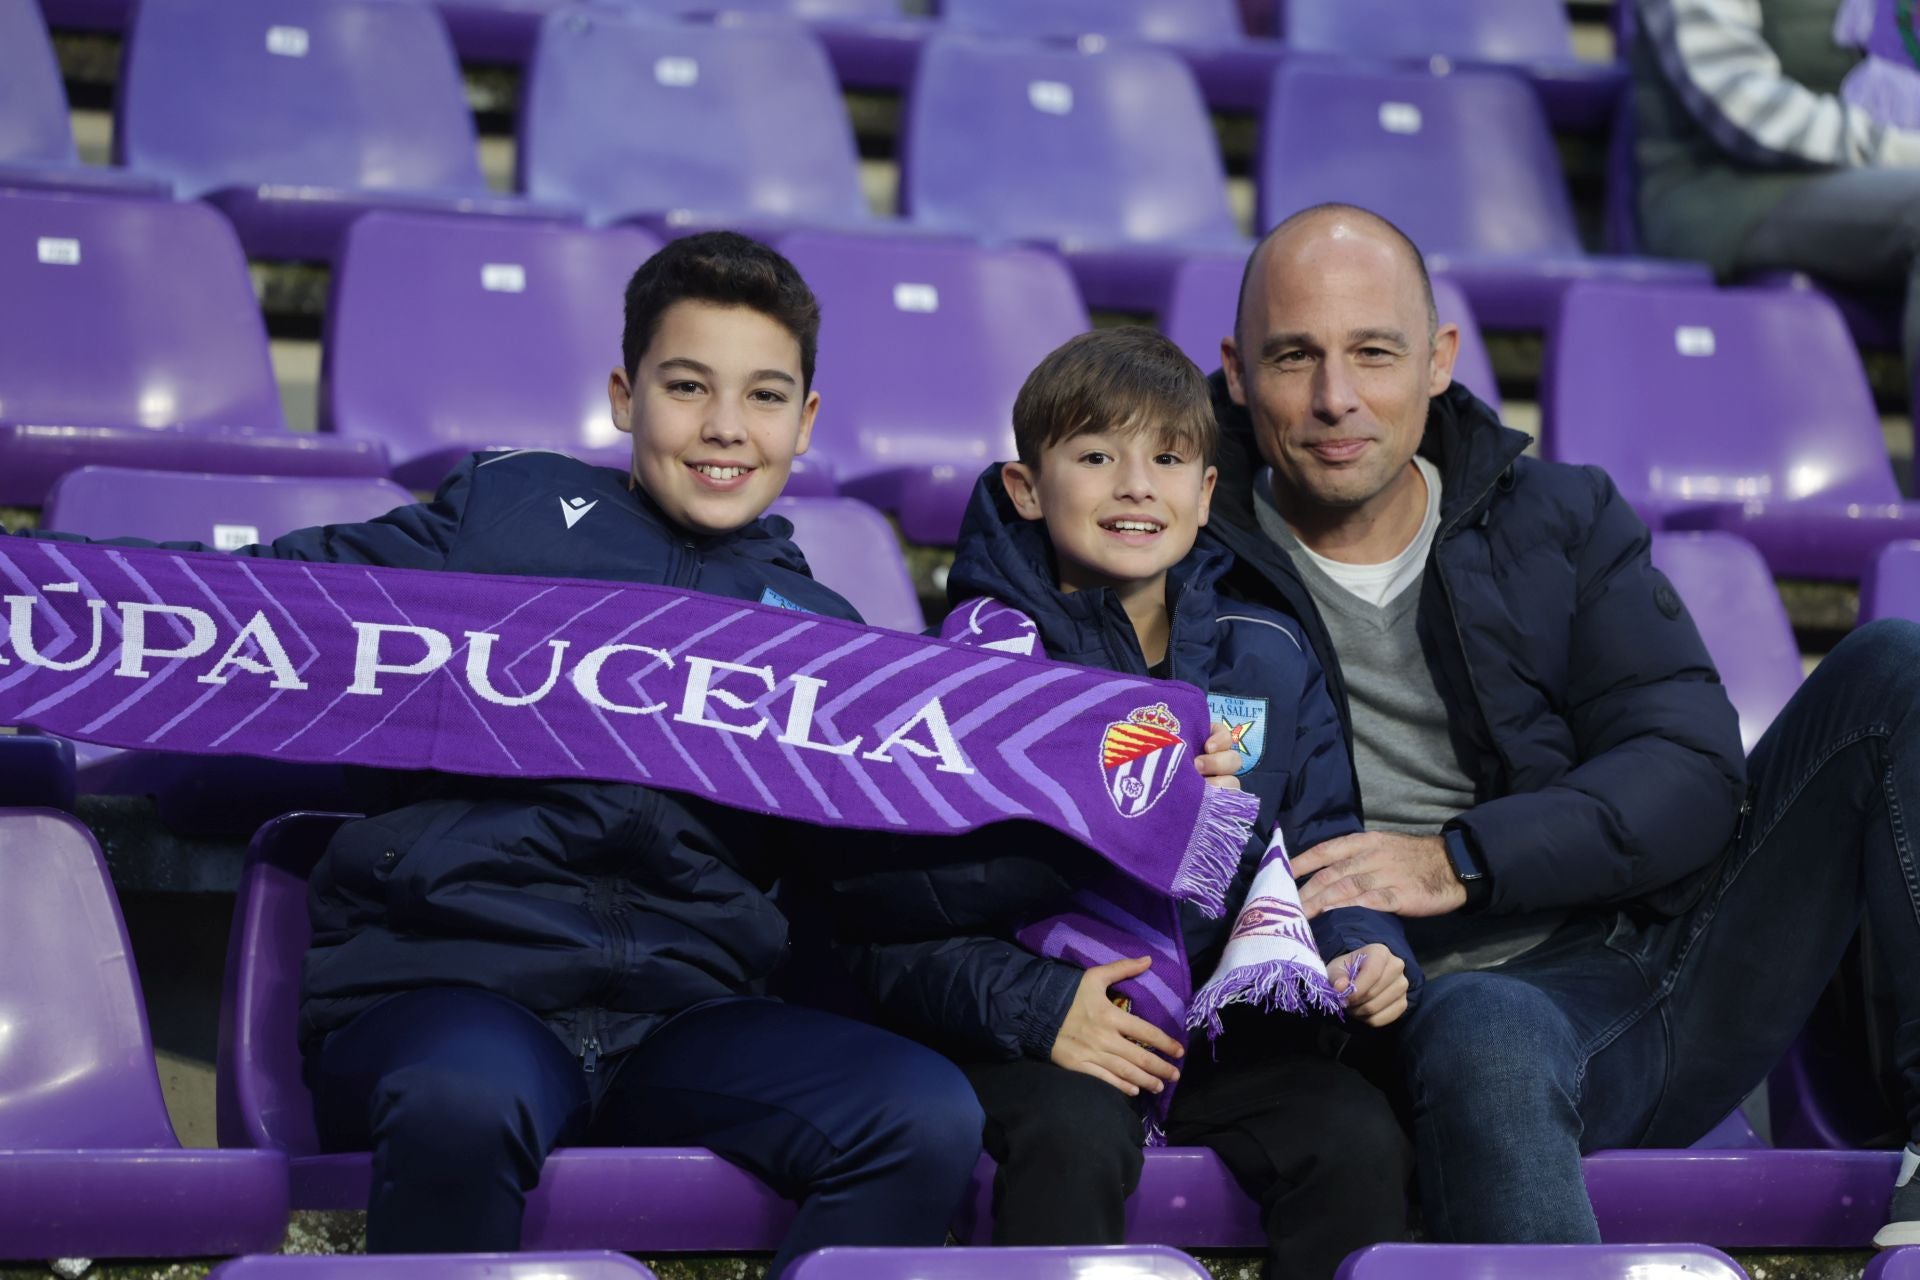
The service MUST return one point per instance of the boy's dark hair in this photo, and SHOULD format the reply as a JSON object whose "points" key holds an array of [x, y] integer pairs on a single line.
{"points": [[726, 269], [1127, 380]]}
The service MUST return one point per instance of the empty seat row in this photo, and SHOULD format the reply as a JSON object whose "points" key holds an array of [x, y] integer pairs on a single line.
{"points": [[1105, 151]]}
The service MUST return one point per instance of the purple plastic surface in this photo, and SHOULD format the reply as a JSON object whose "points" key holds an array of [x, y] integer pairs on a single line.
{"points": [[296, 115], [626, 113], [495, 30], [89, 1164], [36, 770], [1198, 312], [853, 550], [1402, 144], [1524, 36], [445, 336], [1892, 588], [1740, 1199], [1067, 1262], [129, 334], [1893, 1264], [1731, 597], [664, 1198], [1110, 155], [1748, 412], [962, 327], [33, 104], [1536, 1262], [436, 1266], [87, 15]]}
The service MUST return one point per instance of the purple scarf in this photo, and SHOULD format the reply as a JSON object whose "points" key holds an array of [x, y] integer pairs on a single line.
{"points": [[1886, 84], [1271, 961], [759, 708]]}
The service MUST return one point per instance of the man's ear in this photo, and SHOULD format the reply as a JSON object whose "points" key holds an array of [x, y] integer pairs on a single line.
{"points": [[620, 399], [1023, 487], [1446, 349], [1230, 364], [808, 412], [1206, 494]]}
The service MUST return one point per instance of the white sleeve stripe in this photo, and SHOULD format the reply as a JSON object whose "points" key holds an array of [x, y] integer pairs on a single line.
{"points": [[1263, 622]]}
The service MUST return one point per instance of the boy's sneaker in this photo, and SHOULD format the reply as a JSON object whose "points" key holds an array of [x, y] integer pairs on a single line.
{"points": [[1903, 1215]]}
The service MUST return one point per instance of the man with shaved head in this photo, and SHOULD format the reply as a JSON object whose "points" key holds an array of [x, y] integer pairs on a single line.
{"points": [[1622, 920]]}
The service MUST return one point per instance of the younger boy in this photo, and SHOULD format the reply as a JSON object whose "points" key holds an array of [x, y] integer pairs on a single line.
{"points": [[503, 966], [1092, 535]]}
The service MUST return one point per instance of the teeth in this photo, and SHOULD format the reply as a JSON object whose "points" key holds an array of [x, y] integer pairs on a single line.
{"points": [[720, 473], [1133, 526]]}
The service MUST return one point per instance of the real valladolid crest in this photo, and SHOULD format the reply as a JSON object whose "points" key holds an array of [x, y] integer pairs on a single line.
{"points": [[388, 656]]}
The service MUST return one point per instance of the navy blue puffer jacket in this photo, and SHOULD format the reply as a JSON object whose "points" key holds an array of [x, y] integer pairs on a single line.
{"points": [[951, 975], [1604, 752]]}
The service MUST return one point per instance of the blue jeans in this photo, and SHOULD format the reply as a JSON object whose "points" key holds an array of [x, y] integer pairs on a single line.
{"points": [[461, 1093], [1623, 1032]]}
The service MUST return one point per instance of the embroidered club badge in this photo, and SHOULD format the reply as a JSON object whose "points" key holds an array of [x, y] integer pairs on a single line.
{"points": [[1247, 718], [1140, 754]]}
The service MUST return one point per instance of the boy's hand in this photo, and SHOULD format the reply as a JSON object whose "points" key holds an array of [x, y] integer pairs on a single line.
{"points": [[1377, 992], [1104, 1041], [1221, 760], [1407, 875]]}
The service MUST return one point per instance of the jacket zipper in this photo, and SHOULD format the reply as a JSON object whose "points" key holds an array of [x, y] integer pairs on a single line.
{"points": [[1453, 612]]}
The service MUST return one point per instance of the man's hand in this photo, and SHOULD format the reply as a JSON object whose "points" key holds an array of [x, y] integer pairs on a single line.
{"points": [[1098, 1038], [1407, 875], [1377, 992], [1221, 761]]}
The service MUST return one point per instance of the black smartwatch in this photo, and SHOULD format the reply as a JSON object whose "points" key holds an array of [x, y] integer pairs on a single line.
{"points": [[1468, 868]]}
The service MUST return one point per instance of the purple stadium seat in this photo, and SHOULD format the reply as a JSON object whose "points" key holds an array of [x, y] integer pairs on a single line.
{"points": [[211, 794], [36, 138], [1731, 597], [129, 335], [1536, 1262], [958, 328], [873, 44], [1463, 163], [1071, 1262], [1891, 588], [629, 114], [36, 771], [664, 1199], [495, 30], [1740, 1199], [449, 335], [1893, 1264], [295, 116], [1524, 36], [89, 1165], [435, 1266], [1232, 69], [1198, 312], [1746, 410], [852, 549], [87, 15], [1110, 155]]}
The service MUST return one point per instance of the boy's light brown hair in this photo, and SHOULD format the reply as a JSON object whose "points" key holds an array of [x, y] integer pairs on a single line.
{"points": [[1126, 380]]}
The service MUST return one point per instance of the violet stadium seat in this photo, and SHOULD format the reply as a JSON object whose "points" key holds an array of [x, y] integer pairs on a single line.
{"points": [[873, 44], [36, 770], [293, 117], [1463, 163], [36, 137], [1731, 597], [582, 1265], [960, 327], [630, 114], [495, 30], [852, 549], [1746, 411], [1524, 37], [657, 1199], [129, 334], [1759, 1199], [445, 336], [1893, 1264], [1057, 1262], [1199, 307], [1209, 36], [89, 1164], [87, 15], [1108, 155], [1891, 588], [209, 794], [1536, 1262]]}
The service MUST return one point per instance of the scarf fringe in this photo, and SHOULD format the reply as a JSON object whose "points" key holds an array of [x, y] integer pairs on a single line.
{"points": [[1283, 986], [1213, 851]]}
